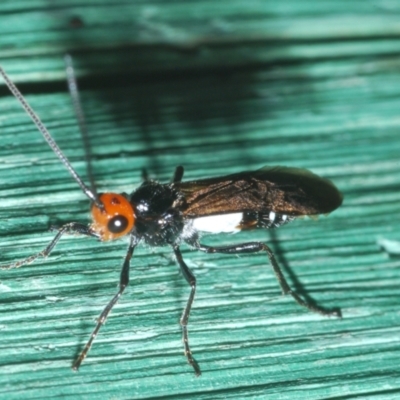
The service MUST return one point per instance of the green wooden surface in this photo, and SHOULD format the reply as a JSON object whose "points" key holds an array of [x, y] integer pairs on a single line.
{"points": [[218, 87]]}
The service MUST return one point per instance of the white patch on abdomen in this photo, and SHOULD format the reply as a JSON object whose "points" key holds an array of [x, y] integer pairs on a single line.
{"points": [[218, 223], [272, 216]]}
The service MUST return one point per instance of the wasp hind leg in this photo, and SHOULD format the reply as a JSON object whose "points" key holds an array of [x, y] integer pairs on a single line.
{"points": [[255, 247]]}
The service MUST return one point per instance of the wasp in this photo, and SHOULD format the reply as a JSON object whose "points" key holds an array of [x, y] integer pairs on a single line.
{"points": [[176, 213]]}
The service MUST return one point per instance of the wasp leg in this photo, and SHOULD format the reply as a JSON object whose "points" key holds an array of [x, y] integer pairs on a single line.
{"points": [[254, 247], [145, 175], [178, 174], [70, 228], [123, 283], [191, 280]]}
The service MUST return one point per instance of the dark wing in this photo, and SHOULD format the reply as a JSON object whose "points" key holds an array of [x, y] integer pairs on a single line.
{"points": [[283, 190]]}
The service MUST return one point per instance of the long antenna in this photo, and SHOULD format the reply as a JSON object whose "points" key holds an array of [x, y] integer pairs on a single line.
{"points": [[80, 116], [46, 134]]}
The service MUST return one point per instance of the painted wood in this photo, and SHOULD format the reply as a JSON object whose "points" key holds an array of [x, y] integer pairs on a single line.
{"points": [[219, 88]]}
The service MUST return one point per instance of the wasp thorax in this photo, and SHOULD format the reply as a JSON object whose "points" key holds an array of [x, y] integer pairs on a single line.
{"points": [[116, 219]]}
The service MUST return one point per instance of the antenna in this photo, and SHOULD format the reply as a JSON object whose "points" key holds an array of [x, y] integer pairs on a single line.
{"points": [[80, 116], [46, 134]]}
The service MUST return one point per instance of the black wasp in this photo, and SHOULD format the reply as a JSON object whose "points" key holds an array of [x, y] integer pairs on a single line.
{"points": [[174, 213]]}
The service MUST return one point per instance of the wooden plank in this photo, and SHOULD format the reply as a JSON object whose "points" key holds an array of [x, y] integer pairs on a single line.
{"points": [[217, 89]]}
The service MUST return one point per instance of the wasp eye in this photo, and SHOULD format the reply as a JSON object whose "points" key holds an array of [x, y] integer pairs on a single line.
{"points": [[117, 224]]}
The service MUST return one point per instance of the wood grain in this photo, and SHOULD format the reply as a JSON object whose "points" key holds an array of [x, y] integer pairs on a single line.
{"points": [[219, 89]]}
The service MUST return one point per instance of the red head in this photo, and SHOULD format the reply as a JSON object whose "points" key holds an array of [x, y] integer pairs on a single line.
{"points": [[115, 219]]}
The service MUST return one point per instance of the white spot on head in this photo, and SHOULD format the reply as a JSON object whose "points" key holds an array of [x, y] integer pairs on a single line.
{"points": [[284, 217], [272, 216], [218, 223]]}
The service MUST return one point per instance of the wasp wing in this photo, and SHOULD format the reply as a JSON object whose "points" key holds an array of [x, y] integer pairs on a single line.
{"points": [[283, 190]]}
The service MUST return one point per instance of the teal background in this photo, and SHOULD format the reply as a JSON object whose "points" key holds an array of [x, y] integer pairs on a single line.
{"points": [[218, 87]]}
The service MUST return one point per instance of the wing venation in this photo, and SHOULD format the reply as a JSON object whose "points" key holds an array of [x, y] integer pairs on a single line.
{"points": [[283, 190]]}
